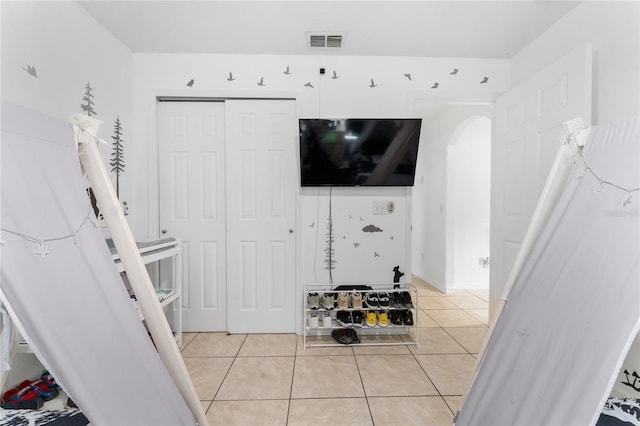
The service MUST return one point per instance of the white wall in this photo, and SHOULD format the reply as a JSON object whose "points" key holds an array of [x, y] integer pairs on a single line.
{"points": [[433, 246], [349, 95], [68, 48], [613, 28]]}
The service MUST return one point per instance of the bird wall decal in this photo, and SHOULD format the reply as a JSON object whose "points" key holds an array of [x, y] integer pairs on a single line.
{"points": [[484, 80], [287, 72], [372, 84], [435, 85], [230, 78], [308, 84], [261, 82], [408, 76], [31, 70], [190, 83], [334, 76], [454, 72]]}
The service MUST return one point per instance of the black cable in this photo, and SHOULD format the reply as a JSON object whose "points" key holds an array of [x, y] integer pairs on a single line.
{"points": [[330, 237]]}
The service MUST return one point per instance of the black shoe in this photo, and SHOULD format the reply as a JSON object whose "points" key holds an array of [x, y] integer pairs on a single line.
{"points": [[383, 300], [353, 335], [371, 300], [344, 318], [340, 335], [395, 317], [406, 300], [407, 317], [357, 317]]}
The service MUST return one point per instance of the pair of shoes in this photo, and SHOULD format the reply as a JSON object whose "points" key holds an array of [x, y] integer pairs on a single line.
{"points": [[345, 336], [401, 300], [403, 317], [380, 318], [343, 300], [40, 388], [350, 318], [313, 300], [328, 300]]}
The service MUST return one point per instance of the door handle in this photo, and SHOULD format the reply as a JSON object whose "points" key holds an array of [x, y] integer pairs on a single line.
{"points": [[164, 231], [291, 230]]}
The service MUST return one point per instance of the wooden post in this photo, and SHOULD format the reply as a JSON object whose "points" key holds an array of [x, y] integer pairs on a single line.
{"points": [[86, 129]]}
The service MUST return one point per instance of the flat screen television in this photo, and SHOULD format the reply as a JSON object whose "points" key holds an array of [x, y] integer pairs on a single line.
{"points": [[358, 151]]}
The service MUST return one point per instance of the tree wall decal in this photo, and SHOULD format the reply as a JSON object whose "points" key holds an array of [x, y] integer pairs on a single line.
{"points": [[88, 98], [329, 250], [117, 155]]}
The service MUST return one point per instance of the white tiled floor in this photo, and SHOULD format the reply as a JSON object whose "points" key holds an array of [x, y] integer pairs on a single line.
{"points": [[271, 379]]}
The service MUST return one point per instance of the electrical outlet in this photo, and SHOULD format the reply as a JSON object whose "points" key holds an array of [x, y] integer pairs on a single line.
{"points": [[379, 207]]}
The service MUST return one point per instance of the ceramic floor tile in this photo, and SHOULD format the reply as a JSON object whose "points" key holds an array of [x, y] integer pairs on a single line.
{"points": [[269, 345], [326, 377], [482, 294], [428, 303], [258, 378], [242, 413], [471, 338], [453, 402], [343, 412], [424, 411], [381, 350], [186, 339], [205, 405], [481, 315], [213, 344], [321, 350], [425, 321], [457, 293], [436, 341], [468, 302], [450, 373], [393, 375], [207, 374], [429, 292], [453, 318]]}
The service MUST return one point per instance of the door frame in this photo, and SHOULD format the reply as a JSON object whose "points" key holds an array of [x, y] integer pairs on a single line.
{"points": [[149, 115]]}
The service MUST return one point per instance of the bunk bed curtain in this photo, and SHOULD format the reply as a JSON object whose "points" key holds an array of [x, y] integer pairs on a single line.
{"points": [[59, 282], [573, 310]]}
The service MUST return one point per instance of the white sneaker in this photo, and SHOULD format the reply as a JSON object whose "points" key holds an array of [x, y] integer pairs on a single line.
{"points": [[327, 322], [313, 320]]}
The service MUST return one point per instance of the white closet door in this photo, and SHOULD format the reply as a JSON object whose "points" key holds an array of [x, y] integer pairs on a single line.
{"points": [[528, 126], [262, 185], [192, 205]]}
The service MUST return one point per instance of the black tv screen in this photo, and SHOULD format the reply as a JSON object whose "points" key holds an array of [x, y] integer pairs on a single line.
{"points": [[358, 152]]}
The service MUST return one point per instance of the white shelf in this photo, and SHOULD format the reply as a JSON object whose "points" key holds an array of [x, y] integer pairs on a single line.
{"points": [[152, 251], [392, 334]]}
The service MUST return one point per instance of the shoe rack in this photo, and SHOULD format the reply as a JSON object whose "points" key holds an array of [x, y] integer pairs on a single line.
{"points": [[384, 315]]}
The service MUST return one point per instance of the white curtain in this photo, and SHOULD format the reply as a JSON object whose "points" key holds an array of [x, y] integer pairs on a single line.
{"points": [[574, 309], [60, 283]]}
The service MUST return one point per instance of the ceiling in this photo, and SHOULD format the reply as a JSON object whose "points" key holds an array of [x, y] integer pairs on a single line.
{"points": [[474, 29]]}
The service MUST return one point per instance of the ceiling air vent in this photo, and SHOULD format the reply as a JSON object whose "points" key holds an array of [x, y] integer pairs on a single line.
{"points": [[324, 41]]}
